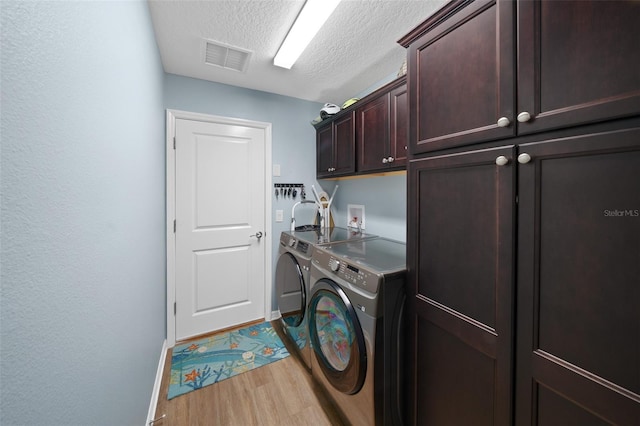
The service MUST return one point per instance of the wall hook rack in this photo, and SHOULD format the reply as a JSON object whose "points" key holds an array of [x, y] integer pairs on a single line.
{"points": [[288, 185], [289, 190]]}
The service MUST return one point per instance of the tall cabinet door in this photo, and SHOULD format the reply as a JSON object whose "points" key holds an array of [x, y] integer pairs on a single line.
{"points": [[460, 288], [324, 151], [461, 78], [373, 134], [344, 144], [578, 62], [578, 333], [399, 125]]}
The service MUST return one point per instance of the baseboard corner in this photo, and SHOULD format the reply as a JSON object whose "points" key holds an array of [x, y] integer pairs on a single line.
{"points": [[156, 386]]}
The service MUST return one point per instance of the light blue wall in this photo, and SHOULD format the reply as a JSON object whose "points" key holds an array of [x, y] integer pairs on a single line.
{"points": [[384, 199], [82, 193]]}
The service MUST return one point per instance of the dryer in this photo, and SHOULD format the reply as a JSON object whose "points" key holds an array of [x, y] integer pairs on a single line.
{"points": [[355, 327], [292, 279]]}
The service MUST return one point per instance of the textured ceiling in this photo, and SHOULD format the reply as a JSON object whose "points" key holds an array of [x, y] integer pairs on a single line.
{"points": [[356, 48]]}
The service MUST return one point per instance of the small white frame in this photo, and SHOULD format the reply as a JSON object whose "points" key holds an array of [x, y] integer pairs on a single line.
{"points": [[355, 216]]}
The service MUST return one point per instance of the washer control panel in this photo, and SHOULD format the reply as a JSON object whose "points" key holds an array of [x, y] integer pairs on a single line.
{"points": [[352, 273]]}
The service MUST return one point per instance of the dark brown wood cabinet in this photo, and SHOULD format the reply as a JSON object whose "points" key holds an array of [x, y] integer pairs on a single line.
{"points": [[523, 247], [335, 147], [368, 137], [399, 124], [461, 288], [576, 63], [562, 320], [461, 75], [578, 304], [382, 125]]}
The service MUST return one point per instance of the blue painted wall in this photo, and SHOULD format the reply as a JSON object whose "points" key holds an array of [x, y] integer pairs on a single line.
{"points": [[82, 266], [384, 199], [82, 192]]}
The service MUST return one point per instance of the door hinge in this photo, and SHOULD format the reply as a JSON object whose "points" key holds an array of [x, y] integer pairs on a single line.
{"points": [[174, 308], [174, 142], [174, 226]]}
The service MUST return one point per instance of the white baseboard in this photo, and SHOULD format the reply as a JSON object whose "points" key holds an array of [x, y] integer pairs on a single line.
{"points": [[156, 386]]}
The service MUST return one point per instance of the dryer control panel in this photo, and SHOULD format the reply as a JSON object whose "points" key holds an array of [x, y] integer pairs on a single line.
{"points": [[294, 243]]}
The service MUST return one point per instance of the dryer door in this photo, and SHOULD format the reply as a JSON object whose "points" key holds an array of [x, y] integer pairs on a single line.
{"points": [[290, 290], [336, 337]]}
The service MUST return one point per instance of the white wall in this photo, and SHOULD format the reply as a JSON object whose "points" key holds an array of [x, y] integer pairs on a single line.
{"points": [[82, 193]]}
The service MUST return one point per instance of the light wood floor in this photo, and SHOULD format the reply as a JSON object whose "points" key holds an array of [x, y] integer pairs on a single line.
{"points": [[280, 393]]}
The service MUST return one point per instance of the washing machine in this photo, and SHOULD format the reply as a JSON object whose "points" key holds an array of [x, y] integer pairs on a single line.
{"points": [[292, 279], [355, 327]]}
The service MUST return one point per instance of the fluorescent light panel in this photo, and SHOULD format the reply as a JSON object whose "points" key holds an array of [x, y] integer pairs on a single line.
{"points": [[313, 15]]}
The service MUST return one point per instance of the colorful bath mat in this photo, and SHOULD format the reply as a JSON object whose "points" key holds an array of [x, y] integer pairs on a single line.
{"points": [[207, 361]]}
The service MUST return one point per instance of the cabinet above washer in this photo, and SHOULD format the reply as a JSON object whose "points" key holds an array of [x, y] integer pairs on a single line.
{"points": [[368, 137]]}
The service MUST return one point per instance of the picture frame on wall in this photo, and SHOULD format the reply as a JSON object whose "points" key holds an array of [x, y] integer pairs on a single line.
{"points": [[355, 216]]}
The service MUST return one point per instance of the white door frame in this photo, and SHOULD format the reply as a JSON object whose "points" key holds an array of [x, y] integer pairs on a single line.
{"points": [[172, 116]]}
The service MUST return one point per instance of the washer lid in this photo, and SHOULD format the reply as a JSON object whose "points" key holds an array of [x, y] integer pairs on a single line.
{"points": [[330, 235], [379, 255]]}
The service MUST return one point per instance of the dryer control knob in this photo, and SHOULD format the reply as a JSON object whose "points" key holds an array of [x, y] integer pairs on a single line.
{"points": [[292, 242], [334, 265]]}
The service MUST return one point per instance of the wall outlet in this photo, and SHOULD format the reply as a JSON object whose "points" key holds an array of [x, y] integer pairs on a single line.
{"points": [[279, 215]]}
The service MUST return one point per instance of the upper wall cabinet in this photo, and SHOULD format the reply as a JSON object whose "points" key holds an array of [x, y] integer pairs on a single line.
{"points": [[577, 63], [381, 135], [335, 147], [368, 137]]}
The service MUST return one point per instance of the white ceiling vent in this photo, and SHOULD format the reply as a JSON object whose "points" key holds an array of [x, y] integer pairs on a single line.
{"points": [[228, 57]]}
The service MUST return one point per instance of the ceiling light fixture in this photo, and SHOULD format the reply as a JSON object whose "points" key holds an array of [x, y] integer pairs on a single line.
{"points": [[313, 15]]}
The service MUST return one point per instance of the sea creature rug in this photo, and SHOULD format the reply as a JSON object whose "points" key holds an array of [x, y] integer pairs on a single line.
{"points": [[209, 360]]}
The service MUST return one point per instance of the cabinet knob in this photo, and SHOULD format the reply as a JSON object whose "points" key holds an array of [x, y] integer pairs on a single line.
{"points": [[524, 158], [391, 159], [524, 116], [385, 161], [503, 122], [502, 160]]}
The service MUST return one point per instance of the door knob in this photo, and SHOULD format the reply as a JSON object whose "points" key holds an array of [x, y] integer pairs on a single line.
{"points": [[258, 235]]}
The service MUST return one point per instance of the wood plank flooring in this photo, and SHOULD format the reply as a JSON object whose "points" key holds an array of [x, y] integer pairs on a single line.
{"points": [[280, 393]]}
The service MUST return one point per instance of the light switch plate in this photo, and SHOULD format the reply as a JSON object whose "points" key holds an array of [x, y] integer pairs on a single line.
{"points": [[276, 169], [279, 215]]}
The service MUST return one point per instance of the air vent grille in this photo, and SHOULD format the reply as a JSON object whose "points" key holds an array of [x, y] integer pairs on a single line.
{"points": [[227, 57]]}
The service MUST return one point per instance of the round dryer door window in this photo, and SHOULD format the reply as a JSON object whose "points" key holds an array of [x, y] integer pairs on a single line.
{"points": [[290, 290], [336, 337]]}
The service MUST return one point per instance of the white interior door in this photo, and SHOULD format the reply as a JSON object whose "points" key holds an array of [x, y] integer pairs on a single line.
{"points": [[220, 213]]}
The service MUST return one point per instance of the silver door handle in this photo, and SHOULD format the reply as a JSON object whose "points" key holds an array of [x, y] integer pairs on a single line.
{"points": [[258, 235]]}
